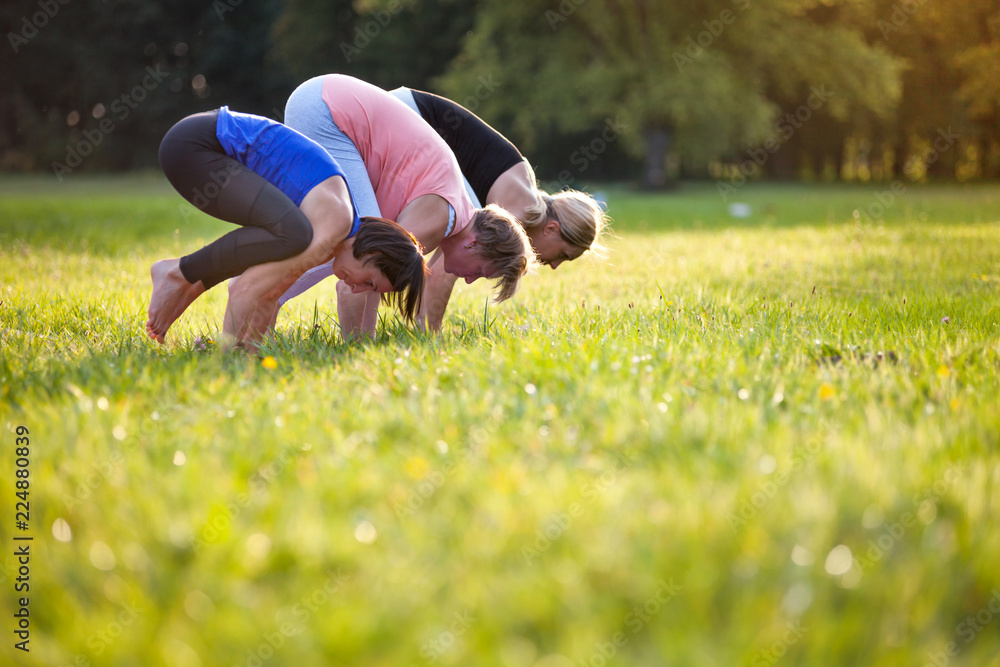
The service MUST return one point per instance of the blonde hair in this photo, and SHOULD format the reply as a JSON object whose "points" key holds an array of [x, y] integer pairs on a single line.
{"points": [[501, 241], [581, 218]]}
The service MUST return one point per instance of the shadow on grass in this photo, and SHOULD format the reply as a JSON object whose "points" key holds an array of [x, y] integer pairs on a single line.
{"points": [[42, 365]]}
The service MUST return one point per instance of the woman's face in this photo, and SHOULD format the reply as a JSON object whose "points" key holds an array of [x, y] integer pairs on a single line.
{"points": [[551, 248], [361, 277], [464, 262]]}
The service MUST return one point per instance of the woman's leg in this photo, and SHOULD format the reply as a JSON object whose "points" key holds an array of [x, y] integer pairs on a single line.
{"points": [[272, 226]]}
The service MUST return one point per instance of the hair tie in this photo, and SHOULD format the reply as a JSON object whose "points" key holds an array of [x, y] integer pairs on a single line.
{"points": [[550, 209]]}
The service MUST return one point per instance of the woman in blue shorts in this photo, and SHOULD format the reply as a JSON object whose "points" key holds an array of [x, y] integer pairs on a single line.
{"points": [[295, 212]]}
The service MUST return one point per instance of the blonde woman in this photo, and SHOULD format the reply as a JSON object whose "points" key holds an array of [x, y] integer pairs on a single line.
{"points": [[400, 169], [561, 227]]}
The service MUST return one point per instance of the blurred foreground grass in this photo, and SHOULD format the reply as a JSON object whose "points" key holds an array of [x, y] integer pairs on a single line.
{"points": [[739, 441]]}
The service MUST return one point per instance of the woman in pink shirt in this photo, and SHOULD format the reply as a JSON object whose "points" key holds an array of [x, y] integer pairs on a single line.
{"points": [[399, 168], [561, 227]]}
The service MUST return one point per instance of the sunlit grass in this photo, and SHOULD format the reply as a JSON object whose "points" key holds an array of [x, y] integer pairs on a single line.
{"points": [[738, 441]]}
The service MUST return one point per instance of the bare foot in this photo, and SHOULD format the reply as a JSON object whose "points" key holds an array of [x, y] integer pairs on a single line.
{"points": [[172, 294]]}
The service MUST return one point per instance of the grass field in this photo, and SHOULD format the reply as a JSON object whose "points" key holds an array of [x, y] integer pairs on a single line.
{"points": [[757, 441]]}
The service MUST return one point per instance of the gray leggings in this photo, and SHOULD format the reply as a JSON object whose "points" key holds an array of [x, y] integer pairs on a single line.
{"points": [[272, 228]]}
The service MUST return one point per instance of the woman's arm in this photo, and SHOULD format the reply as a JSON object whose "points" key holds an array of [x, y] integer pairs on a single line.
{"points": [[248, 318], [512, 191], [437, 293], [358, 313], [426, 217], [253, 297]]}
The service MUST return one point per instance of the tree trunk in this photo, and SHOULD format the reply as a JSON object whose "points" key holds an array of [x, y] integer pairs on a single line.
{"points": [[989, 149], [943, 166], [659, 141], [783, 165], [838, 157], [900, 154]]}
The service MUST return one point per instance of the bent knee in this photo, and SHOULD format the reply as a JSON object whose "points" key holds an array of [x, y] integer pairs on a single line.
{"points": [[292, 233], [297, 236]]}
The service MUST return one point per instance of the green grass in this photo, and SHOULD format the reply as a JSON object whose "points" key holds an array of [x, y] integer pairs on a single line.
{"points": [[665, 457]]}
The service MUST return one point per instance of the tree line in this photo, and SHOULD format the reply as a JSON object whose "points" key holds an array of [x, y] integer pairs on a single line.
{"points": [[642, 90]]}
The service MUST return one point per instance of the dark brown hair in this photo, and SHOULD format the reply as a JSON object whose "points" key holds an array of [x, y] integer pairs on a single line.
{"points": [[397, 254]]}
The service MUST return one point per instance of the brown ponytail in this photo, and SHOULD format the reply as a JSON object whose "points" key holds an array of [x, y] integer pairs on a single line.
{"points": [[398, 255]]}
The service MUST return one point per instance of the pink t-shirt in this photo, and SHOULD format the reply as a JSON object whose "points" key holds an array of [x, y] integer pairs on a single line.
{"points": [[404, 156]]}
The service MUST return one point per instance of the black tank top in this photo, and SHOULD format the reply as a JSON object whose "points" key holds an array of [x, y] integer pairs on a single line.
{"points": [[482, 152]]}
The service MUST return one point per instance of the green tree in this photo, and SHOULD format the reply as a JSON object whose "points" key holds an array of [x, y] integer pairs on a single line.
{"points": [[952, 80], [108, 79], [703, 79], [386, 42]]}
